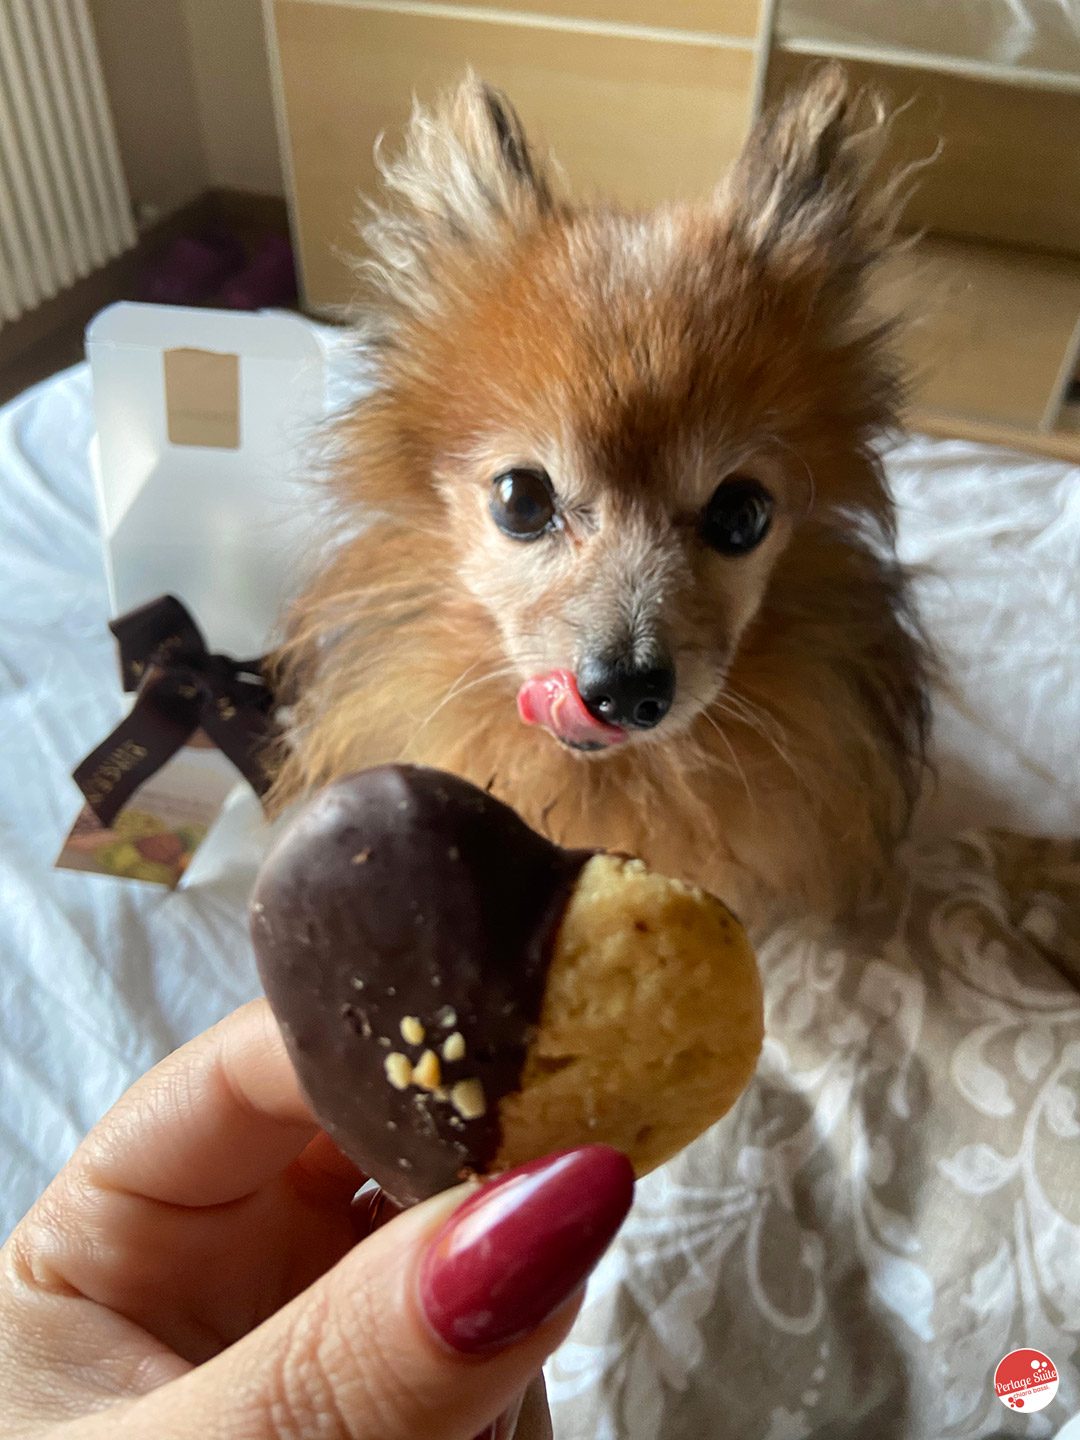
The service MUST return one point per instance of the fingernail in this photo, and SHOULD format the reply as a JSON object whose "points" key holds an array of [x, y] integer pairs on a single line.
{"points": [[518, 1248]]}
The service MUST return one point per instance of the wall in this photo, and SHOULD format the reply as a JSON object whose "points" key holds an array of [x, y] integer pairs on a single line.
{"points": [[232, 84], [149, 71], [189, 85]]}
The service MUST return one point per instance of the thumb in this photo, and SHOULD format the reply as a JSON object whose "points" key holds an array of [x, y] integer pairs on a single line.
{"points": [[432, 1326]]}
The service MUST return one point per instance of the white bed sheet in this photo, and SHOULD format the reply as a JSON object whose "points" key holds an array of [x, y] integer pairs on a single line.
{"points": [[102, 977]]}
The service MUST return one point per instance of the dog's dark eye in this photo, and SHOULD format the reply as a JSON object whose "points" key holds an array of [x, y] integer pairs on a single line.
{"points": [[522, 504], [738, 516]]}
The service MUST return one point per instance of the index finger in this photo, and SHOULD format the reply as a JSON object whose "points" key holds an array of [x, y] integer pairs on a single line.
{"points": [[211, 1123]]}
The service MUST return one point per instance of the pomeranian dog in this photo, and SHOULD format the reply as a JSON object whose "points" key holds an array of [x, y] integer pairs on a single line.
{"points": [[615, 540]]}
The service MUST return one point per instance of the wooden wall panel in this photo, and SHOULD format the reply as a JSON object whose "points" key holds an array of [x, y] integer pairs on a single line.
{"points": [[641, 119]]}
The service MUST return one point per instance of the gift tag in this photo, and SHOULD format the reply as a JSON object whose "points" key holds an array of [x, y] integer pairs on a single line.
{"points": [[155, 837]]}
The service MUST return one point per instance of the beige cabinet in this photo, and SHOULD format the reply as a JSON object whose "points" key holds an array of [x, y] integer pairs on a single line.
{"points": [[991, 295], [647, 99], [638, 112]]}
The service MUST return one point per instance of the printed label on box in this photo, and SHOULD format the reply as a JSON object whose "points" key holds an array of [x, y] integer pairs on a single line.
{"points": [[202, 398]]}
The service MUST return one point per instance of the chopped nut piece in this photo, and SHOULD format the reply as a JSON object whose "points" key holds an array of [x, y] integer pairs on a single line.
{"points": [[361, 857], [399, 1070], [428, 1072], [468, 1099], [411, 1030], [454, 1046]]}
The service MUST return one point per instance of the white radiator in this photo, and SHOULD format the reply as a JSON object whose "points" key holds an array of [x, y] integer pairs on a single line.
{"points": [[64, 205]]}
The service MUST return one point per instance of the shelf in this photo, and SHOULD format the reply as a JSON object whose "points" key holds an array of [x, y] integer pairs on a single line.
{"points": [[704, 18], [963, 67], [991, 334], [1003, 158]]}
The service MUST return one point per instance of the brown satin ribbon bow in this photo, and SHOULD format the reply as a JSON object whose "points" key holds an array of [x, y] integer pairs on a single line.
{"points": [[181, 687]]}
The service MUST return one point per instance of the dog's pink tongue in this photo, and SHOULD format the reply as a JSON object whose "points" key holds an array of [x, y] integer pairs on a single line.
{"points": [[554, 701]]}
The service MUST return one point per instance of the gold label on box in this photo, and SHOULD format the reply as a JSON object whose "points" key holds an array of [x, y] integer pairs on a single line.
{"points": [[202, 398]]}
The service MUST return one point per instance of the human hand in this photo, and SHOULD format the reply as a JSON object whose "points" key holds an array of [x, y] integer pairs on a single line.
{"points": [[194, 1273]]}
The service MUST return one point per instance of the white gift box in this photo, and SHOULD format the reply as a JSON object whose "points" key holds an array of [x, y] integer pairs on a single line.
{"points": [[206, 422]]}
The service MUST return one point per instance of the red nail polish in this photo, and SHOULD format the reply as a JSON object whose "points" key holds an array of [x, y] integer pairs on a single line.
{"points": [[519, 1247]]}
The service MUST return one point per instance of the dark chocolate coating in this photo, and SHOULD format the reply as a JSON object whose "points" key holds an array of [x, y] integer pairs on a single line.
{"points": [[404, 891]]}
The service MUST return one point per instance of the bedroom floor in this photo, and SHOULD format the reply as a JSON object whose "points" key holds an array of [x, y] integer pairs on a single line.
{"points": [[251, 218]]}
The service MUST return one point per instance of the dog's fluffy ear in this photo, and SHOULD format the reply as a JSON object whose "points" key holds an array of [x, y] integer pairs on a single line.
{"points": [[466, 179], [802, 191]]}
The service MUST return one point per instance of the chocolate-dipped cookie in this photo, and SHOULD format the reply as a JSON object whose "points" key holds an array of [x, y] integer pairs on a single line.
{"points": [[459, 995]]}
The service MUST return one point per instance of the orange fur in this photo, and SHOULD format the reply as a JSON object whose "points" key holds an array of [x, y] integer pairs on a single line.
{"points": [[639, 359]]}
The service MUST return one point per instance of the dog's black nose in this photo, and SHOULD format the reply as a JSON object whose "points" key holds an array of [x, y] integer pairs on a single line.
{"points": [[636, 697]]}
